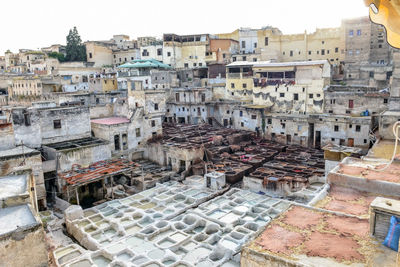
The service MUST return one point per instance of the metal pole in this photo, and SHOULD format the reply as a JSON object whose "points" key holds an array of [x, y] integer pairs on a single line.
{"points": [[77, 195], [112, 187]]}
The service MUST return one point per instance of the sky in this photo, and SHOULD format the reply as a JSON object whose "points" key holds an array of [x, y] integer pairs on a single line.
{"points": [[34, 24]]}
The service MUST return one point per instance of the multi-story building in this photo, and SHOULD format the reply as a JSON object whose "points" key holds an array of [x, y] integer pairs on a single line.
{"points": [[186, 51], [367, 54]]}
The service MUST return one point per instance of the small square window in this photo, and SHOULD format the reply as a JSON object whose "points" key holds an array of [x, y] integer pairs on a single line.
{"points": [[281, 94], [57, 124], [358, 128], [253, 117], [336, 128], [310, 95]]}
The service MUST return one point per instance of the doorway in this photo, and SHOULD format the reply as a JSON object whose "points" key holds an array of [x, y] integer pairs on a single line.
{"points": [[318, 139], [288, 139]]}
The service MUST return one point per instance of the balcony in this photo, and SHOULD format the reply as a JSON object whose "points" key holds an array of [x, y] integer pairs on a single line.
{"points": [[234, 75], [264, 82]]}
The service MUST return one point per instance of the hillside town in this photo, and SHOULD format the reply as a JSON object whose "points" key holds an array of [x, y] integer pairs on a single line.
{"points": [[246, 148]]}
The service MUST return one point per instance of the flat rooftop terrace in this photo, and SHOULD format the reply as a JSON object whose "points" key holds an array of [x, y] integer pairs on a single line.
{"points": [[13, 185], [348, 201], [110, 121], [16, 217], [78, 143], [383, 149], [311, 237], [18, 151]]}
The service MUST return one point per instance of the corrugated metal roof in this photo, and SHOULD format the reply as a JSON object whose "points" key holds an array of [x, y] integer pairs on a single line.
{"points": [[79, 175]]}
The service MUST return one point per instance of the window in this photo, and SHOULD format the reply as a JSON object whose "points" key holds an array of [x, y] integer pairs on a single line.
{"points": [[117, 145], [350, 126], [350, 52], [159, 52], [291, 53], [27, 119], [254, 59], [336, 128], [243, 44], [186, 65], [227, 112], [194, 64], [244, 85], [269, 121], [242, 124], [125, 141], [351, 103], [153, 123], [233, 58], [283, 125], [318, 95], [336, 49], [358, 32], [309, 52], [385, 100], [244, 58], [351, 33], [295, 96], [310, 95], [298, 128], [255, 45], [155, 106], [168, 54], [371, 74], [253, 117], [241, 113], [232, 85], [57, 124], [177, 97], [266, 41], [322, 52], [281, 94], [90, 55], [358, 128]]}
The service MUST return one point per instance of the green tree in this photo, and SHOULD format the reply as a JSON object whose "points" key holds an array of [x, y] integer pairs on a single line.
{"points": [[59, 56], [76, 51]]}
